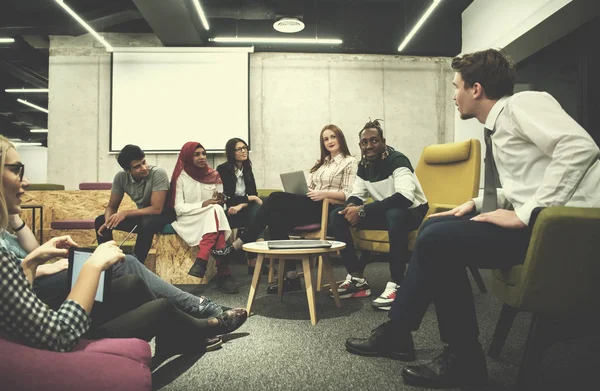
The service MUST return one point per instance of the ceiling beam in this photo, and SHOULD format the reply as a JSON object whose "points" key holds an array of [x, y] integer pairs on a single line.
{"points": [[24, 74]]}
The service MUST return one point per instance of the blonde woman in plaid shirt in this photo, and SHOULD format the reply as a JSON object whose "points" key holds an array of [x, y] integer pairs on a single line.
{"points": [[331, 177], [131, 311]]}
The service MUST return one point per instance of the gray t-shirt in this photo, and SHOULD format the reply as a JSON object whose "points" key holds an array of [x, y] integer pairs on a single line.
{"points": [[141, 192]]}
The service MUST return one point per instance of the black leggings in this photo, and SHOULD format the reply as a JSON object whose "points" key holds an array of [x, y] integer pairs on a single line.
{"points": [[132, 311]]}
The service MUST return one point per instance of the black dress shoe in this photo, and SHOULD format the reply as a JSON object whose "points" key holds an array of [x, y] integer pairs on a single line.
{"points": [[289, 285], [229, 321], [222, 252], [384, 342], [225, 284], [449, 370], [198, 269]]}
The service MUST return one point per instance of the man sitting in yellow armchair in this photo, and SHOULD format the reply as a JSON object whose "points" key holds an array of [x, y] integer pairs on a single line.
{"points": [[399, 206]]}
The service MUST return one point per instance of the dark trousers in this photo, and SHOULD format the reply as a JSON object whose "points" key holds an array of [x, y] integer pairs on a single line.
{"points": [[132, 311], [398, 222], [243, 218], [282, 212], [437, 272], [52, 289], [147, 226]]}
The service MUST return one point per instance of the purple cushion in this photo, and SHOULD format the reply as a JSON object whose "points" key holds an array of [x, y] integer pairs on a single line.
{"points": [[72, 224], [106, 364], [95, 186], [307, 228]]}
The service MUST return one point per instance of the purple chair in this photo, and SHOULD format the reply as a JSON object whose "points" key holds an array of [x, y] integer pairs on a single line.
{"points": [[95, 186], [105, 364]]}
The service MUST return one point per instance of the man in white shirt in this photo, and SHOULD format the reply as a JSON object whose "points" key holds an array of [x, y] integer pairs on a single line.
{"points": [[543, 158]]}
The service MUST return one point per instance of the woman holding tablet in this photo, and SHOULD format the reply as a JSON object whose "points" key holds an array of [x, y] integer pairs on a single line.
{"points": [[132, 311], [239, 187], [196, 193], [332, 176]]}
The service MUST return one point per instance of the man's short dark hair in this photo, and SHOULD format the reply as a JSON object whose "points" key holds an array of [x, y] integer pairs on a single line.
{"points": [[491, 68], [128, 154]]}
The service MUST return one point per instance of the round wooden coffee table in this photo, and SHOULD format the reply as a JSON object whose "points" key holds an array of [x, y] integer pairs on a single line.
{"points": [[306, 254]]}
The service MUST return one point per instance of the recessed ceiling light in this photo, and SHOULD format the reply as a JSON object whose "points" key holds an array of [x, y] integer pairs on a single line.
{"points": [[419, 24], [288, 25], [32, 105], [24, 90], [320, 41], [7, 40], [38, 130], [85, 25]]}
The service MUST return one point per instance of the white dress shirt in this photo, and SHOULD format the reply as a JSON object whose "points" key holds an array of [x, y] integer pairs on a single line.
{"points": [[544, 157], [240, 185]]}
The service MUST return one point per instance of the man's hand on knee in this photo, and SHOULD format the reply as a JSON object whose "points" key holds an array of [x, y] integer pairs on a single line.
{"points": [[460, 210]]}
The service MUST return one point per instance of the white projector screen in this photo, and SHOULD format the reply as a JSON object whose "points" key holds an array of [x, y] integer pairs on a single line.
{"points": [[162, 98]]}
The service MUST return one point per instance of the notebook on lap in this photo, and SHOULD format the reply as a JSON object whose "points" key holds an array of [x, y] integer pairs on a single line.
{"points": [[294, 182], [297, 244]]}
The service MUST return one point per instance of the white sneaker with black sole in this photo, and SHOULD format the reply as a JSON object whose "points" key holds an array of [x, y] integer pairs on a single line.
{"points": [[385, 300], [353, 287]]}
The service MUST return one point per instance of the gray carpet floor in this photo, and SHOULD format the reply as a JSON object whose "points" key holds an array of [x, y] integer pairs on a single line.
{"points": [[279, 349]]}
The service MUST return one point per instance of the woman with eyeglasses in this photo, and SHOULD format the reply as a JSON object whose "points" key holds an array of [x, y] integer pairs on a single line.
{"points": [[130, 311], [196, 193], [239, 188], [332, 176]]}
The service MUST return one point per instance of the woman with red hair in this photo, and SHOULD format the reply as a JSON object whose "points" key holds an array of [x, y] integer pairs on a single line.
{"points": [[196, 195]]}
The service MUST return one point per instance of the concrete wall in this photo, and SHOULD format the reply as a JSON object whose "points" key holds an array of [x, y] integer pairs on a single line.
{"points": [[292, 96]]}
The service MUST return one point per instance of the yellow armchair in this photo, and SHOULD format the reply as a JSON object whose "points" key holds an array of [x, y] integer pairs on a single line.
{"points": [[449, 175], [557, 281]]}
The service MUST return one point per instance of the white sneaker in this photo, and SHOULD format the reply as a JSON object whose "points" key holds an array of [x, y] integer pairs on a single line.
{"points": [[385, 300], [353, 288]]}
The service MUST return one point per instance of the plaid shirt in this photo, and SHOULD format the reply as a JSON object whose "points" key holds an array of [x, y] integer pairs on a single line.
{"points": [[337, 174], [27, 318]]}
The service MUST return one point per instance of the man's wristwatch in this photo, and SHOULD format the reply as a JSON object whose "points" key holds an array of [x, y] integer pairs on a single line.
{"points": [[361, 211]]}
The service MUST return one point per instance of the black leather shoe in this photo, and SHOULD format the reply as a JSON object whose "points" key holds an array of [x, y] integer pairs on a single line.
{"points": [[198, 269], [449, 370], [229, 321], [225, 284], [384, 343], [222, 252], [289, 285]]}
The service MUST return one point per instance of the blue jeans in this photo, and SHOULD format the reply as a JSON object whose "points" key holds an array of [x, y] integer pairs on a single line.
{"points": [[186, 302], [437, 272]]}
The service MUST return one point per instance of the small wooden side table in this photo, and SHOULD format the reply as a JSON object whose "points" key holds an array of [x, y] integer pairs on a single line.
{"points": [[306, 254]]}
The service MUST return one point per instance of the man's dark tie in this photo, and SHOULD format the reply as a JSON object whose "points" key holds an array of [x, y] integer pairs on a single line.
{"points": [[490, 197]]}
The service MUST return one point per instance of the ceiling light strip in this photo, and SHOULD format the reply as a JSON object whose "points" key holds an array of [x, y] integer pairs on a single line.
{"points": [[7, 40], [318, 41], [38, 130], [431, 8], [85, 25], [32, 105], [26, 144], [201, 14], [26, 90]]}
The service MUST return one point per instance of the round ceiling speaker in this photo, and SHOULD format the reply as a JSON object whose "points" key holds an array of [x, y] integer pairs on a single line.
{"points": [[288, 25]]}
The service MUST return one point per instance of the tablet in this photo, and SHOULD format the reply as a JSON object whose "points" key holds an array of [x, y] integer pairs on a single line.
{"points": [[77, 258]]}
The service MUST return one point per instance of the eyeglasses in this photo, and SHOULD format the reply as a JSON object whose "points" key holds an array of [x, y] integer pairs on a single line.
{"points": [[373, 140], [18, 169], [240, 149]]}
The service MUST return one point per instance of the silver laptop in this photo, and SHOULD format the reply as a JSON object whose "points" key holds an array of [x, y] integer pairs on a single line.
{"points": [[294, 182], [298, 244]]}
